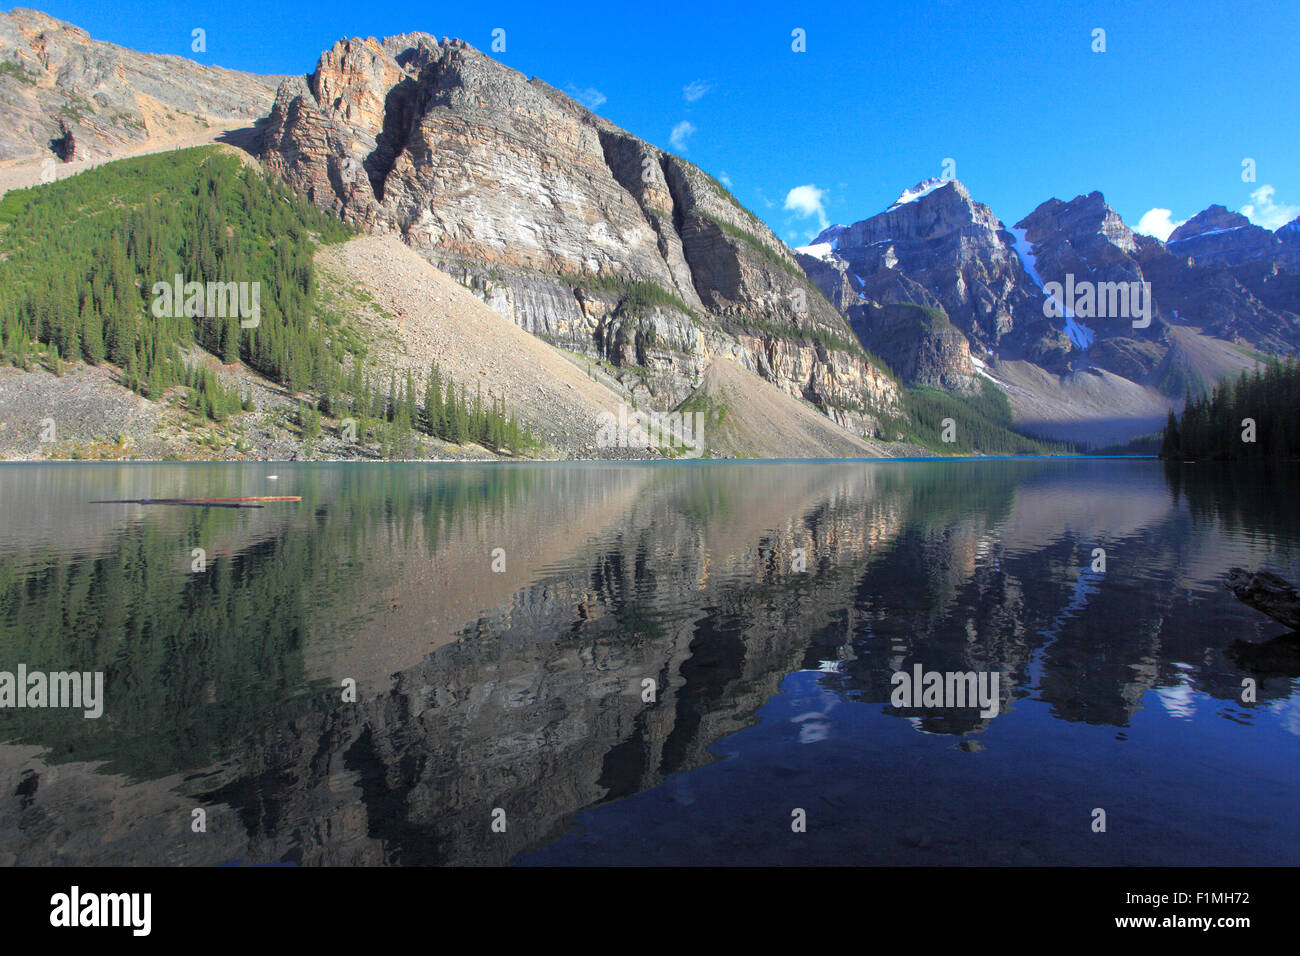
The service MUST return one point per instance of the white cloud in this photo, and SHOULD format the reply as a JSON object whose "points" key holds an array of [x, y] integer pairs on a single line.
{"points": [[1263, 211], [589, 97], [1158, 222], [725, 179], [678, 136], [763, 196], [805, 202], [694, 90]]}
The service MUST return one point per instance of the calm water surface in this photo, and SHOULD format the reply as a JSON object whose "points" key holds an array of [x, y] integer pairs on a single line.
{"points": [[521, 694]]}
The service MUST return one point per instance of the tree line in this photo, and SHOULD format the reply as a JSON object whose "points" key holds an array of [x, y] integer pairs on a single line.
{"points": [[395, 417], [1253, 417], [981, 423]]}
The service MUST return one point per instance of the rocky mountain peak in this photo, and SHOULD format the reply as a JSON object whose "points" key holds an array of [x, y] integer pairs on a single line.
{"points": [[1217, 236], [556, 217], [34, 23], [1086, 222], [1215, 218], [826, 237], [935, 247], [928, 186]]}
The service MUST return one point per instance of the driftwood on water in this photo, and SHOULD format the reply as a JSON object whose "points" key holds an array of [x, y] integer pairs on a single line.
{"points": [[1268, 593], [202, 502]]}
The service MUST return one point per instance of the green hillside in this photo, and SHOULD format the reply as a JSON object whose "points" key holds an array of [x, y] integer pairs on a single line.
{"points": [[88, 266]]}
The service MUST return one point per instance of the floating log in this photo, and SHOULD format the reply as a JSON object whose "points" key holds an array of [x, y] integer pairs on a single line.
{"points": [[218, 502], [1267, 593]]}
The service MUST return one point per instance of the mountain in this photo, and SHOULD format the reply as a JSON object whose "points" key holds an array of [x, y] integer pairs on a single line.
{"points": [[1216, 236], [635, 265], [69, 97], [946, 294], [919, 343], [1265, 263], [350, 328], [937, 247], [1086, 239], [574, 229]]}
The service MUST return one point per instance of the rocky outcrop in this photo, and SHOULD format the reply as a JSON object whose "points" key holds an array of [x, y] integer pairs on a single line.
{"points": [[69, 96], [1288, 252], [918, 343], [1082, 236], [1267, 264], [830, 274], [1085, 241], [571, 227]]}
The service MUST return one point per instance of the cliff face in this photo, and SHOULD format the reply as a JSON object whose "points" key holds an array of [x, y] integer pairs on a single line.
{"points": [[571, 227], [918, 342], [69, 97]]}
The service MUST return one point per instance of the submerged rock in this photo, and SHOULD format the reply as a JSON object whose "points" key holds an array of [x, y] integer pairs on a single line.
{"points": [[1267, 593]]}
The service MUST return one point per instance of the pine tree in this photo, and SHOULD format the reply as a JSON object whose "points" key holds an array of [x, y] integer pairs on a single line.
{"points": [[412, 409], [453, 431], [1171, 446], [433, 421], [230, 341], [92, 335]]}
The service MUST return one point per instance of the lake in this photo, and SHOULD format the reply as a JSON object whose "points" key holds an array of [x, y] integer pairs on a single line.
{"points": [[628, 664]]}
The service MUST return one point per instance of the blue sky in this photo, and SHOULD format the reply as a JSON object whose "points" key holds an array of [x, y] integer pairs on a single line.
{"points": [[884, 93]]}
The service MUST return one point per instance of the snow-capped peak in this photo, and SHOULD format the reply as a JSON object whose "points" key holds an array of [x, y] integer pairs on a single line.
{"points": [[923, 188]]}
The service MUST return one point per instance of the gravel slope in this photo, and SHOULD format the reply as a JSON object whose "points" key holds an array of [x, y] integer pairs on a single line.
{"points": [[747, 417], [424, 315]]}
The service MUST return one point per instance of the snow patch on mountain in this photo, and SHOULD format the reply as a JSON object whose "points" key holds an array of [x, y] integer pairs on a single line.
{"points": [[923, 188], [829, 236], [818, 250], [1079, 334], [982, 369], [1208, 232], [1025, 250]]}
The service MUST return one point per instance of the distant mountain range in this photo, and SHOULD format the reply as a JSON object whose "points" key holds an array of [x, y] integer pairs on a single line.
{"points": [[604, 245], [1221, 291]]}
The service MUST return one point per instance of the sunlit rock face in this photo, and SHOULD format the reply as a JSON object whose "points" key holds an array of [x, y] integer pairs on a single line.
{"points": [[573, 228], [69, 97]]}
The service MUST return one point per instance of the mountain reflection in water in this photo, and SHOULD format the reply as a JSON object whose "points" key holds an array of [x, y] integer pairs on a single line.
{"points": [[529, 690]]}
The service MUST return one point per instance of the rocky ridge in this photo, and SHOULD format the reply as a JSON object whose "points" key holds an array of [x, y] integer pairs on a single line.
{"points": [[67, 97]]}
